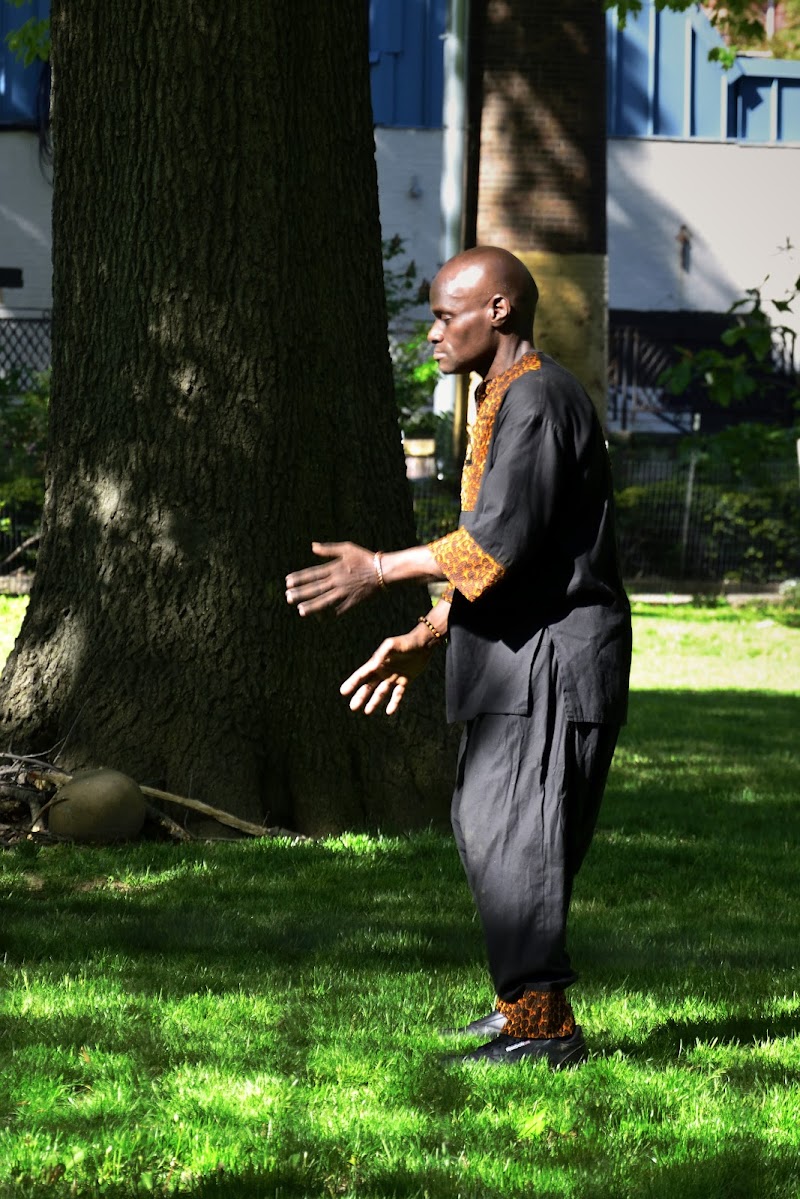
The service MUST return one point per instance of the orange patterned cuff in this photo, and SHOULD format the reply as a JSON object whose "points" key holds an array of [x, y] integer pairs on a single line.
{"points": [[448, 593], [469, 568]]}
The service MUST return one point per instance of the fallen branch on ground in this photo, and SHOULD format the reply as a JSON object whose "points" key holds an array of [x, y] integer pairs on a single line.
{"points": [[21, 548]]}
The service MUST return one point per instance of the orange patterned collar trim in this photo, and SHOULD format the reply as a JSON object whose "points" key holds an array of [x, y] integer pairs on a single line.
{"points": [[489, 398], [500, 383]]}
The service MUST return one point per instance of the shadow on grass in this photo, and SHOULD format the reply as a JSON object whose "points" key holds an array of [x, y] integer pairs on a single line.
{"points": [[287, 1183], [742, 1170], [393, 1184], [711, 729], [669, 1041], [693, 860]]}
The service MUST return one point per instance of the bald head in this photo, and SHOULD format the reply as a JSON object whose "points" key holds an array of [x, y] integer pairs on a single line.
{"points": [[493, 271], [483, 303]]}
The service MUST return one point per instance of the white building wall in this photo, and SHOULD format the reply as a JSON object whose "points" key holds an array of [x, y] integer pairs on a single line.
{"points": [[409, 171], [25, 204], [739, 204]]}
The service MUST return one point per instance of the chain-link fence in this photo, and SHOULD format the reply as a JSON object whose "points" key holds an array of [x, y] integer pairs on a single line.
{"points": [[25, 351], [25, 345], [681, 515], [690, 517], [679, 518]]}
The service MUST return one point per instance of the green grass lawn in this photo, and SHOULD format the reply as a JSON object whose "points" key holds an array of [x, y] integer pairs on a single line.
{"points": [[248, 1019]]}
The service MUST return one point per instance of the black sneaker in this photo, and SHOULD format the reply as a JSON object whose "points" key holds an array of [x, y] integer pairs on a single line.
{"points": [[505, 1050], [486, 1026]]}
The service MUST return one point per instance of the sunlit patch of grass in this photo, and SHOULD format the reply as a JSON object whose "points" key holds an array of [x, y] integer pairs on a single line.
{"points": [[12, 611], [703, 649]]}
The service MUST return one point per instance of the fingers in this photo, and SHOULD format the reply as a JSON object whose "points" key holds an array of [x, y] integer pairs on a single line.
{"points": [[306, 585], [344, 581], [318, 603], [315, 602], [304, 578], [298, 595], [375, 669], [358, 679], [397, 696], [380, 695], [299, 580], [370, 697]]}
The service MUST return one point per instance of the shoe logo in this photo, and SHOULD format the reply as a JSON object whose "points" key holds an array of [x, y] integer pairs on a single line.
{"points": [[518, 1045]]}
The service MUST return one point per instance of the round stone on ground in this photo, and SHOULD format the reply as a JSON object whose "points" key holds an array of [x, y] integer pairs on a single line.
{"points": [[98, 806]]}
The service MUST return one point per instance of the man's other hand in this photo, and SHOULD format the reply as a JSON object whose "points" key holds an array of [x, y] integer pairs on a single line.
{"points": [[344, 581], [385, 678]]}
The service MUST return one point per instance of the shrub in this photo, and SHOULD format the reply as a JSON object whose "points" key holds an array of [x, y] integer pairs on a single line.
{"points": [[723, 507], [23, 435]]}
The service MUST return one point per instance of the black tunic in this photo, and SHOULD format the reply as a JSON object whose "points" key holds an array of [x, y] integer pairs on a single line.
{"points": [[535, 549]]}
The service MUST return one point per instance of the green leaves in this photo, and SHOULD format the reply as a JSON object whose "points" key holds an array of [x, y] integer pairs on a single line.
{"points": [[729, 378], [735, 21], [677, 378], [415, 372], [31, 42]]}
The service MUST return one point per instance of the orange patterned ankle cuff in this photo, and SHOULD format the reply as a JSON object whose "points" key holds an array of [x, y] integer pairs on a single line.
{"points": [[538, 1015]]}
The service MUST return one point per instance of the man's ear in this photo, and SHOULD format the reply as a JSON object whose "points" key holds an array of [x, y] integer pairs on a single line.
{"points": [[501, 310]]}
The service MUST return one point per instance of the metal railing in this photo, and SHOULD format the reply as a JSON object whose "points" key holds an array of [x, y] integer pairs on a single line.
{"points": [[25, 344], [678, 519]]}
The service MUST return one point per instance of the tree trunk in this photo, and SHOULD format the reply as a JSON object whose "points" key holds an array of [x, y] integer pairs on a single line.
{"points": [[221, 395]]}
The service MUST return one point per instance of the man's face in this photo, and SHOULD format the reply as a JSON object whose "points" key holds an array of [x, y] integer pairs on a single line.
{"points": [[462, 334]]}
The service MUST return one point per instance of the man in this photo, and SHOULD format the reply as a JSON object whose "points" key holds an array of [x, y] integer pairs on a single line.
{"points": [[539, 643]]}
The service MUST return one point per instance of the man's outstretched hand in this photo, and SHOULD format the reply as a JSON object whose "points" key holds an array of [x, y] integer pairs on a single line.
{"points": [[385, 678], [344, 581]]}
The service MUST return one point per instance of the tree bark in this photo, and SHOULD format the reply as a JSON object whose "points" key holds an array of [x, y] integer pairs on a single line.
{"points": [[221, 395]]}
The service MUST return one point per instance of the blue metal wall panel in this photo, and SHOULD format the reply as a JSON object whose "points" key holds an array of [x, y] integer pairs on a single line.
{"points": [[382, 85], [671, 67], [386, 26], [19, 85], [789, 116], [633, 77], [707, 85], [410, 66], [406, 56], [434, 62], [613, 36], [755, 110], [661, 83]]}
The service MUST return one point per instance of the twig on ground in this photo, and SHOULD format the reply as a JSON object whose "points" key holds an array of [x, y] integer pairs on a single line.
{"points": [[21, 548], [171, 826], [20, 759]]}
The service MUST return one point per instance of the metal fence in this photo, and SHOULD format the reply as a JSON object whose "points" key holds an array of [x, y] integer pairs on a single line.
{"points": [[25, 344], [25, 351], [691, 518], [638, 357], [680, 516], [679, 519]]}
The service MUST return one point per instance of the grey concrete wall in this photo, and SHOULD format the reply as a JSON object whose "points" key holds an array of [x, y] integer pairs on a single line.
{"points": [[25, 241]]}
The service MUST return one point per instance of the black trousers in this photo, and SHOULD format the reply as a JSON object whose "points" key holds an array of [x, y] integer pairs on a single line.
{"points": [[528, 792]]}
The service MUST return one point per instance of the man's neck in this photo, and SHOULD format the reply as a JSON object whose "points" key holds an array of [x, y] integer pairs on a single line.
{"points": [[509, 351]]}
